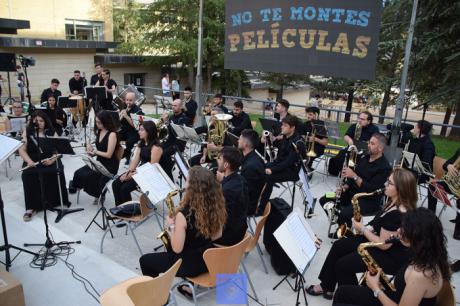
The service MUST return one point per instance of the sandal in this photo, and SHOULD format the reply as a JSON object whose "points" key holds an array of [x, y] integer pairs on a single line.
{"points": [[311, 291], [27, 216], [184, 292]]}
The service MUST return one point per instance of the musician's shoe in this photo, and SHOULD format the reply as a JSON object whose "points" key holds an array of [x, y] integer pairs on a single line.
{"points": [[28, 215], [457, 232], [455, 266], [72, 189]]}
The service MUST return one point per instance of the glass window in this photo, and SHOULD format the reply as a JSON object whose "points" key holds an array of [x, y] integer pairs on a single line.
{"points": [[84, 30]]}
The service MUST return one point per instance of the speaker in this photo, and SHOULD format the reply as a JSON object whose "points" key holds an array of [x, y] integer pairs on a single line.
{"points": [[7, 62]]}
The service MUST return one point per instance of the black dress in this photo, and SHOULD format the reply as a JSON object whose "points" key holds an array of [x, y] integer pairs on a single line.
{"points": [[30, 177], [343, 261], [93, 182], [57, 114], [359, 295], [192, 255]]}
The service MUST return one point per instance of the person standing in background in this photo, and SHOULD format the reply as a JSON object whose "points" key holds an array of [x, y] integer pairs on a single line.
{"points": [[21, 81], [165, 85], [175, 86]]}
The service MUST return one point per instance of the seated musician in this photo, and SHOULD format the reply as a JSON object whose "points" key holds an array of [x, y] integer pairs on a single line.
{"points": [[111, 87], [235, 190], [218, 104], [53, 90], [57, 115], [148, 150], [315, 126], [17, 120], [190, 105], [281, 111], [286, 166], [422, 145], [417, 282], [356, 134], [240, 120], [252, 167], [199, 221], [128, 131], [31, 152], [92, 182], [343, 261], [451, 167], [370, 174], [172, 144]]}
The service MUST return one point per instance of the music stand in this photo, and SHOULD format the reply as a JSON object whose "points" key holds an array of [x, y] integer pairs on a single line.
{"points": [[271, 125], [233, 139], [183, 166], [96, 93], [65, 102]]}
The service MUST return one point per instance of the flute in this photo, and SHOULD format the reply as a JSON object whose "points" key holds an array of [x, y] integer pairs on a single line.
{"points": [[55, 156]]}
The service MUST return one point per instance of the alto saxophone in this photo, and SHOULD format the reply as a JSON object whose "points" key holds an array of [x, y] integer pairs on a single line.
{"points": [[344, 231], [164, 235], [372, 265]]}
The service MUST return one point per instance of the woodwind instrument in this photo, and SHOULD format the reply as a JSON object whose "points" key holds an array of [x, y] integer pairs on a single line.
{"points": [[54, 157], [164, 235]]}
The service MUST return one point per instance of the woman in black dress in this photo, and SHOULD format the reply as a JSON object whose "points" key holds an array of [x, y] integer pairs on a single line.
{"points": [[33, 150], [111, 87], [148, 151], [57, 116], [92, 182], [199, 220], [419, 281], [343, 261]]}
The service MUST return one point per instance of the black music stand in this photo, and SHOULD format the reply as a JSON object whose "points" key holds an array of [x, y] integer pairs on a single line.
{"points": [[271, 125], [96, 93], [65, 102]]}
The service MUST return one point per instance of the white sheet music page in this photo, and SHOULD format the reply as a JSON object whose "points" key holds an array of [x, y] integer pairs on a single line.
{"points": [[153, 181], [309, 196], [178, 130], [180, 162], [7, 147]]}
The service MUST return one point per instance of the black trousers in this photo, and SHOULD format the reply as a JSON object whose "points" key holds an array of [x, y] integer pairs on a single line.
{"points": [[90, 181], [131, 139], [355, 296], [155, 263], [343, 262], [122, 190], [271, 180]]}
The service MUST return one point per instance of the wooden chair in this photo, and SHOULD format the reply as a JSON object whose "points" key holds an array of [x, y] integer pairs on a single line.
{"points": [[222, 260], [142, 290], [132, 222], [445, 296]]}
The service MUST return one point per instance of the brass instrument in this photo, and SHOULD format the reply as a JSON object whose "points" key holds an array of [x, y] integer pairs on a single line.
{"points": [[453, 181], [217, 135], [344, 231], [352, 156], [358, 131], [162, 130], [164, 235], [268, 146], [372, 265]]}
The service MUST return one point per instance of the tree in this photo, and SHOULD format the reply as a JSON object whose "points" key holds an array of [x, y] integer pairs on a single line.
{"points": [[283, 80]]}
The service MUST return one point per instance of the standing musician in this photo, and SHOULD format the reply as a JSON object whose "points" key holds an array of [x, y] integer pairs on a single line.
{"points": [[252, 167], [98, 76], [422, 145], [240, 120], [199, 220], [31, 152], [57, 116], [356, 134], [90, 181], [172, 144], [420, 280], [77, 83], [343, 261], [111, 87], [235, 190], [286, 166], [453, 173], [148, 150], [315, 126], [128, 130], [190, 105], [370, 174], [53, 90]]}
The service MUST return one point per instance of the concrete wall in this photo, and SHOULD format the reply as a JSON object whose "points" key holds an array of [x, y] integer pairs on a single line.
{"points": [[47, 17], [152, 73]]}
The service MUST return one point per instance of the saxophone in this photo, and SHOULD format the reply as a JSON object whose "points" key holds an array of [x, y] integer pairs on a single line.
{"points": [[344, 231], [358, 130], [372, 265], [453, 181], [164, 235]]}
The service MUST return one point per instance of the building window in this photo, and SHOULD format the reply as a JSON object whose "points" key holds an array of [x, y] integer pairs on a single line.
{"points": [[84, 30]]}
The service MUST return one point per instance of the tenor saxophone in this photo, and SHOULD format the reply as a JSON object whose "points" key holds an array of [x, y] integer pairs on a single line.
{"points": [[164, 235], [372, 265]]}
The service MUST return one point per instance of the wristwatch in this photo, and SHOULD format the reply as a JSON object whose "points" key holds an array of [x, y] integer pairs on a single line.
{"points": [[377, 292]]}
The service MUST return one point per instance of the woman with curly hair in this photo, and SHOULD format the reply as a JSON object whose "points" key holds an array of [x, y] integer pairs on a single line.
{"points": [[418, 282], [199, 221]]}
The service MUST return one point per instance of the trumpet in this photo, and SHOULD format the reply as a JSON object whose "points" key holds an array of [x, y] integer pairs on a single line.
{"points": [[268, 147]]}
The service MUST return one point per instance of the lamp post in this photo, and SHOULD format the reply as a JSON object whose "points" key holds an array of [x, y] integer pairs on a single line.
{"points": [[199, 78]]}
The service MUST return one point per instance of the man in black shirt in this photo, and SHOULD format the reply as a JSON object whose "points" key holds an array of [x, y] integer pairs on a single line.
{"points": [[190, 105], [52, 91], [77, 83], [98, 76], [313, 125], [252, 168], [128, 131], [286, 166], [370, 174], [218, 104], [240, 120], [422, 145], [234, 188]]}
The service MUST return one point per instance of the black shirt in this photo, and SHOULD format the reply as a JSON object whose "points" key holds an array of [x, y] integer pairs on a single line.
{"points": [[424, 148], [77, 85], [192, 107], [287, 158], [95, 78], [366, 132], [253, 170], [221, 108], [112, 163], [240, 123], [107, 103], [48, 92], [125, 126]]}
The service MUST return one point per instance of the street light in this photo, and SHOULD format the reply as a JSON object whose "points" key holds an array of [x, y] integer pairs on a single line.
{"points": [[199, 78]]}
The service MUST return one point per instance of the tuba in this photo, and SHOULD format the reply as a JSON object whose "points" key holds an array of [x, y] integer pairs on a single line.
{"points": [[453, 181], [344, 231], [164, 235], [217, 135]]}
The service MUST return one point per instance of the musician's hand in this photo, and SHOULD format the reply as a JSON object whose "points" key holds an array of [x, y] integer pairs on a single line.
{"points": [[318, 242], [452, 171], [358, 226], [203, 159], [30, 163], [268, 171], [263, 139], [165, 116], [169, 221], [373, 281], [60, 122], [75, 92], [279, 137], [348, 173], [124, 177], [89, 148]]}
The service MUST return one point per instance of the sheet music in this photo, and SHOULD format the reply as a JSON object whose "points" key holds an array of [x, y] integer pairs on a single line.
{"points": [[298, 240], [95, 165], [309, 196], [154, 182], [179, 130], [191, 134], [183, 168], [18, 124], [413, 159], [9, 145]]}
